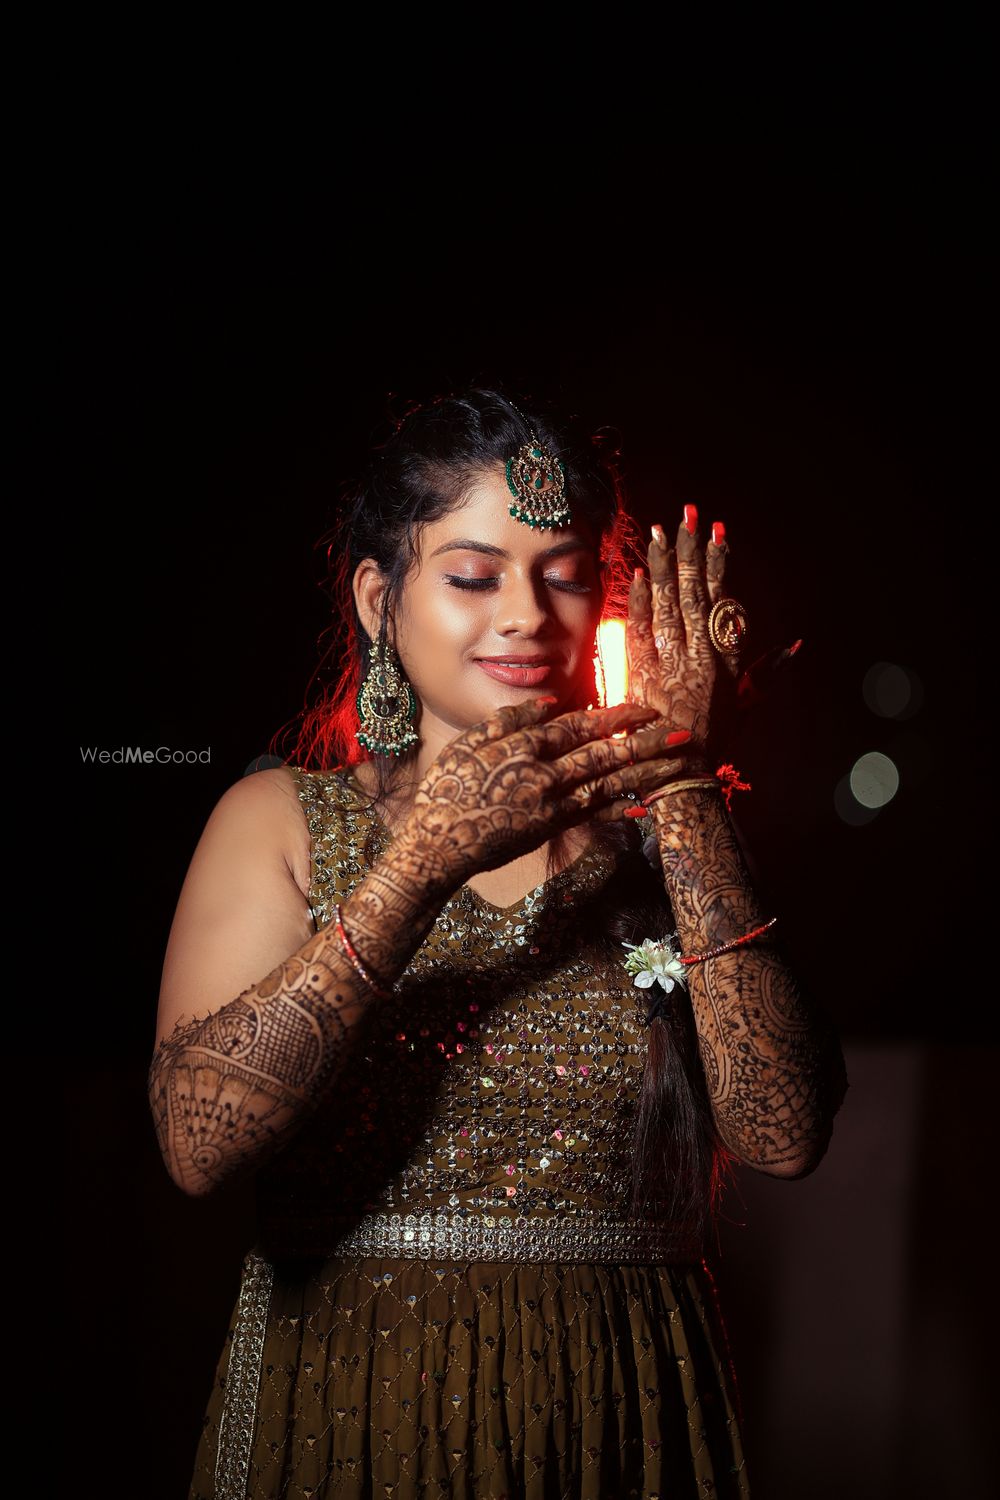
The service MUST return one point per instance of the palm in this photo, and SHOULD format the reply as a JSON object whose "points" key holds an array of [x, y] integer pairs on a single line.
{"points": [[673, 665]]}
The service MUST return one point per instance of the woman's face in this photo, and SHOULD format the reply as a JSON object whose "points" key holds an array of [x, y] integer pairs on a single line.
{"points": [[487, 586]]}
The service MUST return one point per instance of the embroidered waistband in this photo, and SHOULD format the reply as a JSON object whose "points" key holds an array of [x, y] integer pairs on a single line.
{"points": [[589, 1236]]}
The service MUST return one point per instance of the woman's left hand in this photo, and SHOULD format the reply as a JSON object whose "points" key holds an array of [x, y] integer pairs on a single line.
{"points": [[673, 665]]}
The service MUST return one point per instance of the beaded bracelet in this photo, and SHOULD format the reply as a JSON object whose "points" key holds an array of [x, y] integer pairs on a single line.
{"points": [[349, 949], [748, 937]]}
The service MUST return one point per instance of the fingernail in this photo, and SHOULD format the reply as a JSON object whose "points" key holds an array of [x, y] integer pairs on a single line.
{"points": [[718, 533], [691, 518], [547, 699], [637, 576], [677, 737], [658, 536], [792, 649], [637, 812]]}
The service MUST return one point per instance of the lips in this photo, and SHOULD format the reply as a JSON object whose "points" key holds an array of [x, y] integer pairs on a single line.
{"points": [[517, 671]]}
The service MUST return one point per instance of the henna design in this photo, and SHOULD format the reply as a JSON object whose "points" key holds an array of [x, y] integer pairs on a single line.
{"points": [[773, 1065], [774, 1069], [505, 786], [229, 1090], [672, 663]]}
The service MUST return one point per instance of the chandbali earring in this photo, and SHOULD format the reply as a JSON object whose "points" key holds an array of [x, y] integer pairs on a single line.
{"points": [[386, 704]]}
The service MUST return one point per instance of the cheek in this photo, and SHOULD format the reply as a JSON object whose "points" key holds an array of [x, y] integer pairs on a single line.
{"points": [[439, 622], [579, 618]]}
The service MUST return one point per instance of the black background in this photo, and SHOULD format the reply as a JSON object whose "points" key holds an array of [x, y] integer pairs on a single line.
{"points": [[792, 336]]}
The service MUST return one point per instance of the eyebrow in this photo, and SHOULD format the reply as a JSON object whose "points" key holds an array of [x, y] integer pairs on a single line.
{"points": [[573, 544]]}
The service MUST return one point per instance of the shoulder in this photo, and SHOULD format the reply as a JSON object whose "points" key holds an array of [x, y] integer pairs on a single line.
{"points": [[312, 809], [276, 807]]}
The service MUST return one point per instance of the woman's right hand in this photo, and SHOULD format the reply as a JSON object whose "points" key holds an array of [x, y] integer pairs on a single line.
{"points": [[504, 786]]}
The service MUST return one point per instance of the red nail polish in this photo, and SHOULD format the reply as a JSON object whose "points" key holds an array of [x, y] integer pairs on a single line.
{"points": [[792, 649], [691, 518], [547, 699], [658, 536], [718, 533], [637, 576], [677, 737], [637, 812]]}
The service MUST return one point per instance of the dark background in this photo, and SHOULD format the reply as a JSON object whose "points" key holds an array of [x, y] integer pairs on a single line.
{"points": [[789, 335]]}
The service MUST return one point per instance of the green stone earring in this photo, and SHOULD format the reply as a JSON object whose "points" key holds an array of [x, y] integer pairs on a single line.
{"points": [[386, 705]]}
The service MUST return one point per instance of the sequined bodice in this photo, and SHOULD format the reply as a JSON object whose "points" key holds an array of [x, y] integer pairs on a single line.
{"points": [[488, 1107]]}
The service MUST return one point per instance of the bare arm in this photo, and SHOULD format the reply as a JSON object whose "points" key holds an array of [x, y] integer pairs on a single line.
{"points": [[229, 1089], [774, 1069]]}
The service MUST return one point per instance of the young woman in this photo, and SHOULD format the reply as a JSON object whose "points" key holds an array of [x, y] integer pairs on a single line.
{"points": [[396, 994]]}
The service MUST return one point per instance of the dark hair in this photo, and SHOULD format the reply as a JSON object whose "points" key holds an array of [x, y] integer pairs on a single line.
{"points": [[432, 456]]}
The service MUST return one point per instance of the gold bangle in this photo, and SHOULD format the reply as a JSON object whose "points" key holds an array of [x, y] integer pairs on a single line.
{"points": [[680, 786]]}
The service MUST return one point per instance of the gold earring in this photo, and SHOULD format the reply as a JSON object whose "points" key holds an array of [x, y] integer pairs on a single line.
{"points": [[386, 705]]}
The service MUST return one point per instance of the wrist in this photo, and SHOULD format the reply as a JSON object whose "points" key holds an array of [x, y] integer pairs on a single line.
{"points": [[417, 870], [697, 797]]}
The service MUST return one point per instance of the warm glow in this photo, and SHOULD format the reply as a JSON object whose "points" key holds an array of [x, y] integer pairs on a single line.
{"points": [[611, 645]]}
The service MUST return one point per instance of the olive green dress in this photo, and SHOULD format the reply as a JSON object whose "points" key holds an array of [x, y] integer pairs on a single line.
{"points": [[446, 1295]]}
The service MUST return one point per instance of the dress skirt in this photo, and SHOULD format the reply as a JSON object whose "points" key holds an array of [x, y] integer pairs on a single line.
{"points": [[422, 1378]]}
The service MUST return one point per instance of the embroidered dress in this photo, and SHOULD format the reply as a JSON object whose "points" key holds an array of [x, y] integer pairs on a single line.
{"points": [[447, 1296]]}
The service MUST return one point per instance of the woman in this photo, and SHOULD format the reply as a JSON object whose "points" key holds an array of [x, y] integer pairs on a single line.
{"points": [[399, 993]]}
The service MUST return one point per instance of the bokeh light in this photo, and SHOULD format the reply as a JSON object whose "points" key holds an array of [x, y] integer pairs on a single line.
{"points": [[874, 779], [892, 691], [849, 809]]}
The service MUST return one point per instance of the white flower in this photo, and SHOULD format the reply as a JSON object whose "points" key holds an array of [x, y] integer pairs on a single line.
{"points": [[651, 962]]}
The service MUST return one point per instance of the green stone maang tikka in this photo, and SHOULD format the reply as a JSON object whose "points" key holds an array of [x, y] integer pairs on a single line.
{"points": [[537, 480]]}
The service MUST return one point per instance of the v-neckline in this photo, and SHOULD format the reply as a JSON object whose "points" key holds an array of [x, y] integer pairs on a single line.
{"points": [[581, 862]]}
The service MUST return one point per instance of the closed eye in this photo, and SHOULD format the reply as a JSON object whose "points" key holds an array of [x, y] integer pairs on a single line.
{"points": [[565, 584]]}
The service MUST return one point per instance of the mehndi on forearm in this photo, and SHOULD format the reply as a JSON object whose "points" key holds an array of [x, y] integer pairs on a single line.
{"points": [[773, 1066], [229, 1090]]}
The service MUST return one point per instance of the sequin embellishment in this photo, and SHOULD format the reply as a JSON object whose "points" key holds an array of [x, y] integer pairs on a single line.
{"points": [[453, 1136]]}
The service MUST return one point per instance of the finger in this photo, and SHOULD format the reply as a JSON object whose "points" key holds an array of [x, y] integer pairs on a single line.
{"points": [[715, 561], [588, 762], [759, 677], [641, 778], [585, 725], [668, 625], [623, 810], [508, 719], [691, 582], [641, 654]]}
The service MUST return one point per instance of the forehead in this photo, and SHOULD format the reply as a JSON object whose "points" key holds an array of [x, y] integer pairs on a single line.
{"points": [[484, 517]]}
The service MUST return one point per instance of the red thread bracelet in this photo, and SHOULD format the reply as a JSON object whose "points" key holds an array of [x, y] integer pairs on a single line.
{"points": [[726, 779], [729, 780], [748, 937]]}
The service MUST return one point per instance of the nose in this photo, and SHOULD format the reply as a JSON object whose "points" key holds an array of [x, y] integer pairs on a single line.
{"points": [[522, 607]]}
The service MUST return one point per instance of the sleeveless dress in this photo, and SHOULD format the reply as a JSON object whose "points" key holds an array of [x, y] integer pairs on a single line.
{"points": [[446, 1296]]}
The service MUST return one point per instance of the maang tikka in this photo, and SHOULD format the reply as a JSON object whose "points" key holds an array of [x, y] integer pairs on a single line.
{"points": [[537, 480], [386, 704]]}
